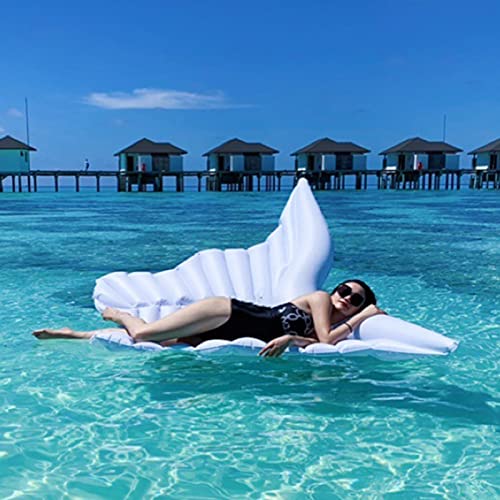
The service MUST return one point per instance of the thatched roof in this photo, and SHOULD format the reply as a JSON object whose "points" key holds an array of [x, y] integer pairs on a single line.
{"points": [[491, 147], [329, 146], [419, 145], [237, 146], [9, 142], [145, 146]]}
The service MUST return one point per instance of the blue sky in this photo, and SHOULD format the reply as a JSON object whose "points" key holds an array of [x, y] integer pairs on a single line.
{"points": [[100, 75]]}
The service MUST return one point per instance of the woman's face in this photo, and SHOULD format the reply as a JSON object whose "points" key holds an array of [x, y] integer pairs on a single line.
{"points": [[348, 298]]}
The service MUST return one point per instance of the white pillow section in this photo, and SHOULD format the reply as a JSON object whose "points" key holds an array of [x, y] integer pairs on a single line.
{"points": [[294, 260]]}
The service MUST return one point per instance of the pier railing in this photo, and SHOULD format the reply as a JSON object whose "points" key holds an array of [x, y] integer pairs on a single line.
{"points": [[260, 180]]}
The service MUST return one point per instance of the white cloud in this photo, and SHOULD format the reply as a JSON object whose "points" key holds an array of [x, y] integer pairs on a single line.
{"points": [[2, 130], [157, 99], [15, 113]]}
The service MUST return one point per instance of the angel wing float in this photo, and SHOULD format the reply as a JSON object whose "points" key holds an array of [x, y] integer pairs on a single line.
{"points": [[295, 259]]}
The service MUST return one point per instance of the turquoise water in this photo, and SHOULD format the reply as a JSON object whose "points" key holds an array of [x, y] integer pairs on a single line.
{"points": [[80, 421]]}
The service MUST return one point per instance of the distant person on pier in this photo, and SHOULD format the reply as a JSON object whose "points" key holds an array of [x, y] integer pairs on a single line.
{"points": [[87, 164]]}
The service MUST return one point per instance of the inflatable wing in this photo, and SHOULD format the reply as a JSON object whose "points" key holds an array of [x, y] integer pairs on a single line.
{"points": [[294, 260]]}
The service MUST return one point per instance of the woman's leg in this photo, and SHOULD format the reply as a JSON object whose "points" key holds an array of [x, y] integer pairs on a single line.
{"points": [[196, 318], [67, 333]]}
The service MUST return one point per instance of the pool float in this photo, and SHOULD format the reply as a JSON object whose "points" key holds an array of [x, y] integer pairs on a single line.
{"points": [[294, 260]]}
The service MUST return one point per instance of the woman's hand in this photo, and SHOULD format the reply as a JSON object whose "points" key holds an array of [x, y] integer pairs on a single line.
{"points": [[276, 347]]}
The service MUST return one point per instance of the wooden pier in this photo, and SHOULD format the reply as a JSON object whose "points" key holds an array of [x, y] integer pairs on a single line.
{"points": [[261, 181]]}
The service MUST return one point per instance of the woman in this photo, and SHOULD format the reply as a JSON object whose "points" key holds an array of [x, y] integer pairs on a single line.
{"points": [[303, 321]]}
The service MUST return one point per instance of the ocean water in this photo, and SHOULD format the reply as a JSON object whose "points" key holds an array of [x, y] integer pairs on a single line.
{"points": [[79, 421]]}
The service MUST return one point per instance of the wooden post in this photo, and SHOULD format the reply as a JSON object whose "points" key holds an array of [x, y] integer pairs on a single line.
{"points": [[20, 183], [35, 183], [29, 182], [98, 183], [158, 183], [56, 183], [1, 184], [13, 177], [77, 183], [358, 182], [279, 181], [198, 175]]}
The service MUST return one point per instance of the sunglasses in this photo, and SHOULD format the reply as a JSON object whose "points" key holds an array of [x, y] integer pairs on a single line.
{"points": [[356, 299]]}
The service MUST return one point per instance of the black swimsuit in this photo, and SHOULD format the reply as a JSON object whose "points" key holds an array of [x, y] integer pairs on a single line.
{"points": [[265, 323]]}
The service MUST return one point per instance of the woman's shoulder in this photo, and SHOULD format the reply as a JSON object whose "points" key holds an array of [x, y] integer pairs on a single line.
{"points": [[321, 295], [316, 296]]}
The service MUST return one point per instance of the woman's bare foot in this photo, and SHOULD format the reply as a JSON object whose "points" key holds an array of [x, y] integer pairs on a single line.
{"points": [[110, 314], [125, 319], [61, 333]]}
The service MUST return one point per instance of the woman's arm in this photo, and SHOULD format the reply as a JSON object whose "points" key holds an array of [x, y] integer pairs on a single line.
{"points": [[342, 331], [278, 345], [319, 303]]}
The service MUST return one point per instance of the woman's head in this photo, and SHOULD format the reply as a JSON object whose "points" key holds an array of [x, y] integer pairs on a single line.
{"points": [[351, 296]]}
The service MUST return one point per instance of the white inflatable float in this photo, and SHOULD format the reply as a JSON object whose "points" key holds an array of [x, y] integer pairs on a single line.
{"points": [[294, 260]]}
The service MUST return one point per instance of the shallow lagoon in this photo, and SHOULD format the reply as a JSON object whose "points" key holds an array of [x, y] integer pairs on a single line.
{"points": [[82, 421]]}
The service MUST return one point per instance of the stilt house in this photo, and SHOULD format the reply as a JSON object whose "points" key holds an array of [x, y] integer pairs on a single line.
{"points": [[487, 157], [327, 155], [150, 157], [420, 154], [14, 155], [236, 155]]}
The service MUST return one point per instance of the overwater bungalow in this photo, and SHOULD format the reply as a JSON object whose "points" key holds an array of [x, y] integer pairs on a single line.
{"points": [[14, 155], [420, 154], [486, 157], [151, 157], [236, 155], [327, 155]]}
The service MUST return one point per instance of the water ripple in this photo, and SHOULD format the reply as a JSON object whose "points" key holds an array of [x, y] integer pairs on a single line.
{"points": [[82, 422]]}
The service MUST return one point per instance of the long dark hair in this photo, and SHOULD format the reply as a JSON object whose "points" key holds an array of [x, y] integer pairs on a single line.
{"points": [[369, 293]]}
